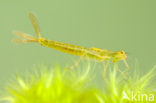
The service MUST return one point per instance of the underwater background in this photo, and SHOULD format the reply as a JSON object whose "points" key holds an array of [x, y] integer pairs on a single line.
{"points": [[128, 25]]}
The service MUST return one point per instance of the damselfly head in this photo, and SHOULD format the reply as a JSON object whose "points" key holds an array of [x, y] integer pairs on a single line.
{"points": [[120, 55]]}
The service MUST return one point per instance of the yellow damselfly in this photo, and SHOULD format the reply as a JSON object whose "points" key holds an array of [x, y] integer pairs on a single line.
{"points": [[93, 53]]}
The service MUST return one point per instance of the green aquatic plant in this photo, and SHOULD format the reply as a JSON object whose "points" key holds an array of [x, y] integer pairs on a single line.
{"points": [[61, 85], [52, 85], [129, 87]]}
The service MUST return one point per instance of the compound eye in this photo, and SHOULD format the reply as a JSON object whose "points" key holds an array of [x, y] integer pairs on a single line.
{"points": [[122, 52]]}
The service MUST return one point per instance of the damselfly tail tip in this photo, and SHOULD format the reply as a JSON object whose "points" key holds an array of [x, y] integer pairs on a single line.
{"points": [[18, 33], [34, 22], [23, 38], [18, 41], [23, 41]]}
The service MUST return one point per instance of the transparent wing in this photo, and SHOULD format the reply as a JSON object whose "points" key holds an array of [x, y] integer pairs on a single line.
{"points": [[35, 24]]}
